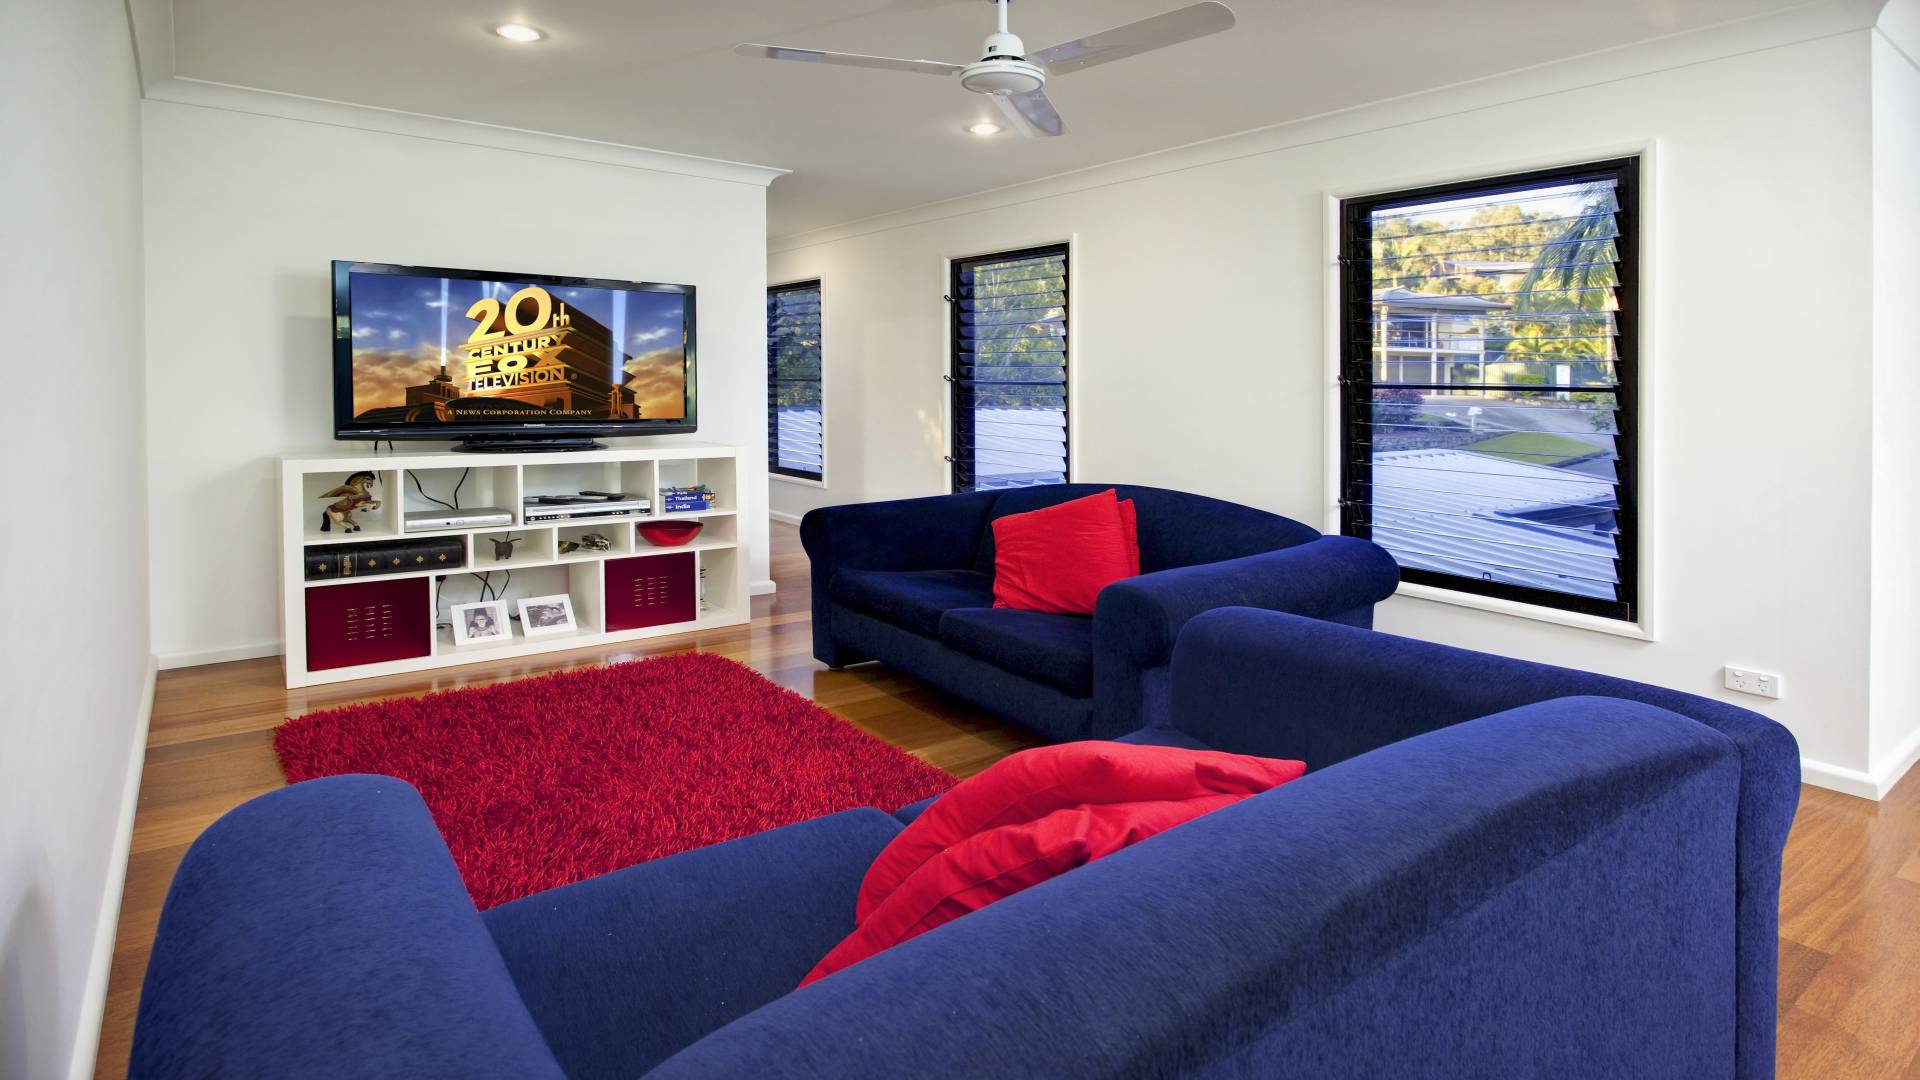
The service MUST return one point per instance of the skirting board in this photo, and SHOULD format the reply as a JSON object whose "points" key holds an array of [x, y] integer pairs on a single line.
{"points": [[782, 515], [169, 661], [763, 588], [93, 1003], [1874, 785]]}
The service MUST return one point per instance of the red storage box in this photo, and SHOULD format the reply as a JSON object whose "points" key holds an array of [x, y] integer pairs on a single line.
{"points": [[368, 622], [650, 590]]}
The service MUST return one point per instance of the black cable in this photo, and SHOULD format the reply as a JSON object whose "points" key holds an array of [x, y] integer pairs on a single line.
{"points": [[423, 492], [455, 504], [487, 589]]}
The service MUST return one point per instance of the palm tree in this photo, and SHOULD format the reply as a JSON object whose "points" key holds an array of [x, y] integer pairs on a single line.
{"points": [[1572, 274], [1577, 260]]}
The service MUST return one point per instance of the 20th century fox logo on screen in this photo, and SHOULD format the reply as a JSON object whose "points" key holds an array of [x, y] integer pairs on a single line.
{"points": [[497, 362], [532, 349], [532, 355]]}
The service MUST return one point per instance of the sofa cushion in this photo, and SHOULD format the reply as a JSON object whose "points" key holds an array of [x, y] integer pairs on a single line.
{"points": [[914, 599], [1057, 559], [996, 863], [1053, 649], [1033, 784], [622, 970]]}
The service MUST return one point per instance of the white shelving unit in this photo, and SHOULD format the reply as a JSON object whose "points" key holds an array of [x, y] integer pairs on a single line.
{"points": [[718, 569]]}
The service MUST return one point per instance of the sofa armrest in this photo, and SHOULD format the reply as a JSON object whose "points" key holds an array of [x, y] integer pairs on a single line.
{"points": [[322, 931], [1267, 683], [1139, 619]]}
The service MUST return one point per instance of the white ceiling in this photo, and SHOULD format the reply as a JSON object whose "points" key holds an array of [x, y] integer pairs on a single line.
{"points": [[663, 75]]}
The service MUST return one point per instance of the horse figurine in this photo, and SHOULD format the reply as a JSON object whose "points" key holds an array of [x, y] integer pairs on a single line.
{"points": [[355, 494]]}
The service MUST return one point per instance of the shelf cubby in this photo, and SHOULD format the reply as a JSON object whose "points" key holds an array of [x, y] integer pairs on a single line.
{"points": [[466, 487], [577, 582], [717, 530], [722, 591], [382, 523], [572, 478], [618, 531], [535, 546]]}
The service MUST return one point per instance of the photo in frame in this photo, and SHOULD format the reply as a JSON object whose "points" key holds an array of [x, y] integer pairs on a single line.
{"points": [[541, 615], [482, 623]]}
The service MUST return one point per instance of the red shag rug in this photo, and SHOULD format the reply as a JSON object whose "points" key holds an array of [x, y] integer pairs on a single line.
{"points": [[547, 780]]}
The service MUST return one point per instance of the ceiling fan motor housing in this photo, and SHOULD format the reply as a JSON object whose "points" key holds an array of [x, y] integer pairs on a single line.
{"points": [[1002, 70], [1002, 77]]}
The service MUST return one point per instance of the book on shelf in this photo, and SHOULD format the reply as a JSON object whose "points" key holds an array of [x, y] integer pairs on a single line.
{"points": [[394, 557], [687, 500]]}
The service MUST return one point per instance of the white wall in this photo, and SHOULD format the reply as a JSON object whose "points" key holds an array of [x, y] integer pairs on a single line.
{"points": [[1894, 736], [74, 672], [1201, 353], [245, 210]]}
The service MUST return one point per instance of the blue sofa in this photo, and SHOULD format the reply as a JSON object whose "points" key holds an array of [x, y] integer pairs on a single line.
{"points": [[1480, 875], [910, 583]]}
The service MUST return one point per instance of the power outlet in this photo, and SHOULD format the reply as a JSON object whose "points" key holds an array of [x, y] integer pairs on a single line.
{"points": [[1759, 683]]}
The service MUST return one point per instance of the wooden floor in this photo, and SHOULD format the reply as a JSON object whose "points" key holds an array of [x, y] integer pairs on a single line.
{"points": [[1850, 903]]}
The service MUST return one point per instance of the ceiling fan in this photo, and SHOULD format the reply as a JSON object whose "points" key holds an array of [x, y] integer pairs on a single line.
{"points": [[1015, 79]]}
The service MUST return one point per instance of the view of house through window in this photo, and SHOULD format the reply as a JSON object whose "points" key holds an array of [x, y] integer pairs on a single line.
{"points": [[1487, 364], [1009, 369], [795, 445]]}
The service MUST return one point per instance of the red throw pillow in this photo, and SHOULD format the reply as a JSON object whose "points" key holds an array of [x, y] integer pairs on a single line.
{"points": [[1032, 784], [1058, 558], [997, 863], [1130, 526]]}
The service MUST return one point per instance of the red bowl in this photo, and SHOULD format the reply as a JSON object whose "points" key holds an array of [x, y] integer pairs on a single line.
{"points": [[668, 533]]}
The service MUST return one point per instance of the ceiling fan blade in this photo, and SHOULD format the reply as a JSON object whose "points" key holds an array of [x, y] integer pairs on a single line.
{"points": [[1184, 24], [815, 56], [1031, 113]]}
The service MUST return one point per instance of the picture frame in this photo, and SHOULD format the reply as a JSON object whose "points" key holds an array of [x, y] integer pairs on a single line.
{"points": [[543, 615], [482, 623]]}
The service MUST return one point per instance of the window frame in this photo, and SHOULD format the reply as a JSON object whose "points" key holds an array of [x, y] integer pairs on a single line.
{"points": [[1355, 377], [960, 418], [774, 468]]}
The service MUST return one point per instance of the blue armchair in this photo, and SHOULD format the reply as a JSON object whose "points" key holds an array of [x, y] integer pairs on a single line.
{"points": [[910, 583], [1259, 682], [1479, 876]]}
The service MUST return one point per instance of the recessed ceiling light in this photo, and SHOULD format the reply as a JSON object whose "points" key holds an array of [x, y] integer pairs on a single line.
{"points": [[984, 128], [520, 33]]}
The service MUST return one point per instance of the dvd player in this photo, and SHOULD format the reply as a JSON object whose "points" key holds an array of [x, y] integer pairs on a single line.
{"points": [[534, 515], [582, 507], [423, 520]]}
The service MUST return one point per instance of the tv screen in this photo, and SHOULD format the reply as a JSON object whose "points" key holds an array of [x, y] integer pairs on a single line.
{"points": [[428, 353]]}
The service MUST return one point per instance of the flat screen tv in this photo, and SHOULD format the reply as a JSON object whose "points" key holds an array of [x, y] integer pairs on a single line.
{"points": [[503, 361]]}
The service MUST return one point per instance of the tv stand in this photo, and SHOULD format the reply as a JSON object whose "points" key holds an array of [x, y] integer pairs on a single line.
{"points": [[515, 444], [622, 585]]}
